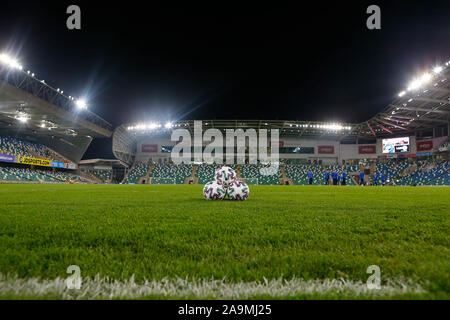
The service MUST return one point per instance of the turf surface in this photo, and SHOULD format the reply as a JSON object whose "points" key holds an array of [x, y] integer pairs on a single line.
{"points": [[153, 232]]}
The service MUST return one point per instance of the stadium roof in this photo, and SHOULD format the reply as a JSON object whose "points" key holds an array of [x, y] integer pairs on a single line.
{"points": [[99, 162], [29, 107], [425, 104]]}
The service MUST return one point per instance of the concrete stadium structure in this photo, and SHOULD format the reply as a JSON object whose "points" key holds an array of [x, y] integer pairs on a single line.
{"points": [[422, 113]]}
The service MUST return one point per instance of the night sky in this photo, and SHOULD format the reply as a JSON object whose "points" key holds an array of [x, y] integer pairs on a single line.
{"points": [[149, 60]]}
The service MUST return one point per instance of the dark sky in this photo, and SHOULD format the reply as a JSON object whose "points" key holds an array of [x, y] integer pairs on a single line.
{"points": [[150, 60]]}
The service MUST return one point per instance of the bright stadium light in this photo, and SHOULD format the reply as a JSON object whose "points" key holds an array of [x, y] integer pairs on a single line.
{"points": [[401, 94], [332, 126], [22, 119], [81, 104], [425, 78], [10, 62], [437, 69], [413, 85], [152, 125], [168, 125]]}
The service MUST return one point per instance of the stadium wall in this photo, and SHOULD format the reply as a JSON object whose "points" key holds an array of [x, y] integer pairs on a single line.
{"points": [[328, 151]]}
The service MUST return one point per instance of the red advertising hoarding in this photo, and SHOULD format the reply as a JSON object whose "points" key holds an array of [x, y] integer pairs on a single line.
{"points": [[325, 149], [424, 145], [367, 149], [149, 148]]}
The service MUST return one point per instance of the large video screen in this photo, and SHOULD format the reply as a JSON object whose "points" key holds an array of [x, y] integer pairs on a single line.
{"points": [[396, 145]]}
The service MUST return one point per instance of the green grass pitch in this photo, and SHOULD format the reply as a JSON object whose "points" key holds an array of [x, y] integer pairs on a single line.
{"points": [[163, 233]]}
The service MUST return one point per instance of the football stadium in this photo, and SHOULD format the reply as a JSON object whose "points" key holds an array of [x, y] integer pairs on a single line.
{"points": [[211, 162], [344, 197]]}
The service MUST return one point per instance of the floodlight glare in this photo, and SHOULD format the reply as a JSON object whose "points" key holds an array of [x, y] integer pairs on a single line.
{"points": [[5, 59], [22, 119], [414, 84], [425, 78], [437, 69], [168, 125], [81, 104], [401, 94]]}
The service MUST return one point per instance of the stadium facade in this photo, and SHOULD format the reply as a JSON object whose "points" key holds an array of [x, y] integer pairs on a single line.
{"points": [[44, 132], [41, 126], [302, 141], [421, 113]]}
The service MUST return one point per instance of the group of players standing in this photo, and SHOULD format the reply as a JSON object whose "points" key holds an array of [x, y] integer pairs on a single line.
{"points": [[335, 179]]}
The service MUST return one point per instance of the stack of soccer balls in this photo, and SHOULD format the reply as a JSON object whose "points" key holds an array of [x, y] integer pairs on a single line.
{"points": [[225, 183]]}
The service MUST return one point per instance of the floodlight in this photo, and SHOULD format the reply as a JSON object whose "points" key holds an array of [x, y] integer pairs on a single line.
{"points": [[81, 104], [168, 125], [425, 78], [401, 94], [437, 69], [5, 59], [414, 84], [22, 119]]}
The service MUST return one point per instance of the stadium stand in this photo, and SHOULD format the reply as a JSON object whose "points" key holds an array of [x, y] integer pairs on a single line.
{"points": [[18, 174], [299, 173], [428, 173], [100, 176], [252, 171], [397, 173], [139, 170], [205, 172], [170, 173], [392, 170], [17, 147], [104, 175]]}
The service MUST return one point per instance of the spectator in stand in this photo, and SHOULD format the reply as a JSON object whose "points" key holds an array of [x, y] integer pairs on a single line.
{"points": [[344, 178], [334, 176], [311, 177], [361, 178], [383, 179], [327, 177], [375, 178]]}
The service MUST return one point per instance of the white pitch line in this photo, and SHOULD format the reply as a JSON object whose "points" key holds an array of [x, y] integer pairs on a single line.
{"points": [[106, 288]]}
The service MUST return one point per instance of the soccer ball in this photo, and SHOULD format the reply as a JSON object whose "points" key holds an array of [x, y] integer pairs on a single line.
{"points": [[214, 190], [225, 175], [238, 190]]}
